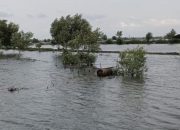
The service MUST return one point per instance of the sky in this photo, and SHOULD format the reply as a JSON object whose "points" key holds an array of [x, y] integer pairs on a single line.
{"points": [[134, 17]]}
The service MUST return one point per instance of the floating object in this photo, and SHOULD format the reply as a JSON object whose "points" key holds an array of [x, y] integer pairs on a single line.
{"points": [[103, 72], [12, 89]]}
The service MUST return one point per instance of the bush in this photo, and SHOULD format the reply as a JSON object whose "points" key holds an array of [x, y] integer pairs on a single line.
{"points": [[81, 59], [38, 45], [132, 62], [87, 58], [119, 41], [109, 41], [70, 59]]}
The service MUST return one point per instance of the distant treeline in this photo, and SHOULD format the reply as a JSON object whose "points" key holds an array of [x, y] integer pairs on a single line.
{"points": [[169, 38], [12, 38]]}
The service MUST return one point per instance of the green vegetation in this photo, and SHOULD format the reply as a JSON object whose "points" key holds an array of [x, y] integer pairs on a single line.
{"points": [[7, 30], [75, 33], [38, 45], [21, 40], [149, 36], [10, 37], [171, 34], [109, 41], [118, 39], [132, 62], [81, 59]]}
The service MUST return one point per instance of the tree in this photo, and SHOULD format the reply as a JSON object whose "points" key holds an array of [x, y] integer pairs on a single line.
{"points": [[7, 30], [171, 34], [22, 40], [119, 37], [104, 37], [132, 62], [109, 41], [38, 45], [149, 36], [119, 34], [35, 40], [114, 38], [76, 33], [73, 31]]}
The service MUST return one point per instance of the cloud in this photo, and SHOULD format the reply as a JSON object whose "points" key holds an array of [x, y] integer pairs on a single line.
{"points": [[162, 22], [30, 16], [40, 16], [94, 17], [5, 15], [128, 24]]}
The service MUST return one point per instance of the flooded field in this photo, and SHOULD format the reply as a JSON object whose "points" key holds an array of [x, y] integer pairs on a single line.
{"points": [[51, 97]]}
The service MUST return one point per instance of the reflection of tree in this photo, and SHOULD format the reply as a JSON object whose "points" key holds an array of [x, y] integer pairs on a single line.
{"points": [[75, 98], [133, 100]]}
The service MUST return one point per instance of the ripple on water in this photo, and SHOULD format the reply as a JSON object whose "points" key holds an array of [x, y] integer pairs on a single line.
{"points": [[58, 98]]}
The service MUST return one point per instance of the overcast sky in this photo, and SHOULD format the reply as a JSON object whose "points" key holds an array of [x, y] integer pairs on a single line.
{"points": [[133, 17]]}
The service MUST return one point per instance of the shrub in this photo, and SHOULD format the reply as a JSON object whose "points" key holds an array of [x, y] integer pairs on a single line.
{"points": [[87, 58], [132, 62], [81, 59], [70, 59], [38, 45], [109, 41], [119, 41]]}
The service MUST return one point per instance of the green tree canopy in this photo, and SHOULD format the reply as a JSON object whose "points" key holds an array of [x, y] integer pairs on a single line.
{"points": [[171, 34], [6, 32], [21, 40], [119, 34], [119, 37], [149, 36], [132, 62], [74, 32]]}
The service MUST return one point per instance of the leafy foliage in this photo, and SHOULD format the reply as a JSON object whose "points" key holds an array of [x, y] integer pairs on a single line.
{"points": [[132, 62], [171, 34], [119, 37], [7, 30], [149, 36], [75, 33], [109, 41], [38, 45], [21, 40], [78, 59]]}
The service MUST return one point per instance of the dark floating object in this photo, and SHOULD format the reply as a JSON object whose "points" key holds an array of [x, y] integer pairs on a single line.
{"points": [[12, 89], [103, 72]]}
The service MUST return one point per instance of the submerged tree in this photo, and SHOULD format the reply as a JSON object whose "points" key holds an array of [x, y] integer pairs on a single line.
{"points": [[149, 36], [132, 62], [21, 40], [38, 45], [75, 33], [171, 34], [119, 39]]}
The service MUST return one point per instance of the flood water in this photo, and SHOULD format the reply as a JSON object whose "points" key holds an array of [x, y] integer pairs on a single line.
{"points": [[51, 97]]}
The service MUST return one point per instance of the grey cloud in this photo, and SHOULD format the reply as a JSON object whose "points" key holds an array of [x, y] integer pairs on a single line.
{"points": [[30, 16], [5, 15], [95, 17], [40, 16]]}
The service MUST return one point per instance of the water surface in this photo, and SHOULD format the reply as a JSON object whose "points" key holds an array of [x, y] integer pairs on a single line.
{"points": [[54, 98]]}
